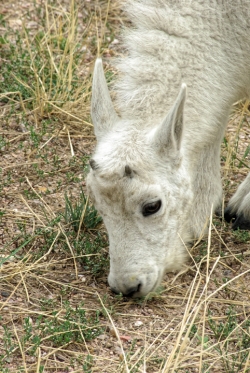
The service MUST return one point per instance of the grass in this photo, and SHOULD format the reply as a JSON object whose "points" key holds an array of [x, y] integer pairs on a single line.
{"points": [[41, 69], [80, 212], [57, 312]]}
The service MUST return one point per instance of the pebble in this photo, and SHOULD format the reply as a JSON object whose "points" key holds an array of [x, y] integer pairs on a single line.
{"points": [[138, 323], [5, 294]]}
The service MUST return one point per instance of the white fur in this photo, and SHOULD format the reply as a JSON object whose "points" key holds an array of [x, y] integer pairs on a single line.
{"points": [[172, 150], [239, 204]]}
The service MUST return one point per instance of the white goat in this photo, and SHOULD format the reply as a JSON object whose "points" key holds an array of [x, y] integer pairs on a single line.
{"points": [[155, 174]]}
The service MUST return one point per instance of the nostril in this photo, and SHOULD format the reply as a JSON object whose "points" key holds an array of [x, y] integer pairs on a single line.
{"points": [[130, 292]]}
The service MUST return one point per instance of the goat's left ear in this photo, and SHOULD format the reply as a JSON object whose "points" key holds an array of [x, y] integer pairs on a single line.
{"points": [[168, 135]]}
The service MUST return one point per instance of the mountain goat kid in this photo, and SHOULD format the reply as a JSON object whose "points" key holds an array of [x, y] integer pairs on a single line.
{"points": [[155, 174]]}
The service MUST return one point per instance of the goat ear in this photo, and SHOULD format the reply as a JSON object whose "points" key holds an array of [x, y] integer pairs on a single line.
{"points": [[102, 110], [169, 134]]}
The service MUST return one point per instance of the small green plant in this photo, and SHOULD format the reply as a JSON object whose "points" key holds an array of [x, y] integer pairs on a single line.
{"points": [[226, 332], [2, 212], [73, 326], [87, 365], [27, 329], [3, 142], [221, 329], [202, 340], [8, 347], [241, 236], [80, 211], [243, 161], [40, 69], [47, 304], [91, 251]]}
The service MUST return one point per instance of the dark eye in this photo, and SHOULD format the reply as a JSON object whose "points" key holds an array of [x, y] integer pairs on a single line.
{"points": [[151, 208]]}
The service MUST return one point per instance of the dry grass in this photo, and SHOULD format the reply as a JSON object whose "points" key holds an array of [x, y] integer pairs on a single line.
{"points": [[56, 311]]}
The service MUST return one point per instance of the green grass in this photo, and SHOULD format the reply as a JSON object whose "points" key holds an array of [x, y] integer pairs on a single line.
{"points": [[225, 337], [241, 236], [79, 212], [233, 340], [41, 68], [60, 328], [79, 217]]}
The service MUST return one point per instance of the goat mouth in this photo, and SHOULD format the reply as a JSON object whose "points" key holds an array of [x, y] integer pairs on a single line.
{"points": [[140, 286], [131, 293], [151, 291], [137, 291]]}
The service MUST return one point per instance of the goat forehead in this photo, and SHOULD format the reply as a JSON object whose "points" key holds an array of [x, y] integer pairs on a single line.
{"points": [[125, 190], [122, 147]]}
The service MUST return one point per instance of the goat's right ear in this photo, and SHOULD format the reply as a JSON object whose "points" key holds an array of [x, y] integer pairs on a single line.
{"points": [[102, 110], [168, 135]]}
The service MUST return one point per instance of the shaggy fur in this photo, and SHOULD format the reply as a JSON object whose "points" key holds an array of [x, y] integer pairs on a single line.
{"points": [[171, 145]]}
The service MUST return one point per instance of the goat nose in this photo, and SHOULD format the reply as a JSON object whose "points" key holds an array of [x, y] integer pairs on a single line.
{"points": [[130, 291]]}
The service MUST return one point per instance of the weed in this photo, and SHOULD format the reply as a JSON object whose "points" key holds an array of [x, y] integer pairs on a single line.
{"points": [[27, 329], [87, 365], [241, 236], [109, 75], [74, 212], [74, 326], [2, 212], [3, 143], [47, 304], [72, 178], [196, 333], [9, 345], [29, 194], [245, 155], [92, 255], [226, 332], [41, 69], [201, 251], [193, 331]]}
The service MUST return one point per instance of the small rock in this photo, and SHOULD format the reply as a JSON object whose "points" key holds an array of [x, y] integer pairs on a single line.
{"points": [[82, 278], [5, 294], [138, 323], [112, 332], [125, 338]]}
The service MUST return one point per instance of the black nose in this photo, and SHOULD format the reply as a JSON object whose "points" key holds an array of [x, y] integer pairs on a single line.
{"points": [[129, 292]]}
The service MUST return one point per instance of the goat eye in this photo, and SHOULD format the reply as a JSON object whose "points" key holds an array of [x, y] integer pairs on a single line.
{"points": [[151, 208]]}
